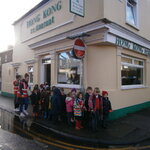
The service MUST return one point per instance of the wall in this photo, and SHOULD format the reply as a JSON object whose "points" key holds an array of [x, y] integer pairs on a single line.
{"points": [[7, 78], [101, 67], [115, 10], [104, 71]]}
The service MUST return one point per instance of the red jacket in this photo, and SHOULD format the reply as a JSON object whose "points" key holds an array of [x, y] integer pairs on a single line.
{"points": [[23, 87], [16, 87]]}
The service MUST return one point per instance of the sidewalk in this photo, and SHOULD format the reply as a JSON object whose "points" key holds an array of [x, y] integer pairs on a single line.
{"points": [[131, 129]]}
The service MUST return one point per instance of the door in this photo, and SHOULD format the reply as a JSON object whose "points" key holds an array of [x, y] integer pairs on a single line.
{"points": [[46, 70], [47, 73]]}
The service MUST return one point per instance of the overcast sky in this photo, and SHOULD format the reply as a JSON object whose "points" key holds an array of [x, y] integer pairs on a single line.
{"points": [[9, 12]]}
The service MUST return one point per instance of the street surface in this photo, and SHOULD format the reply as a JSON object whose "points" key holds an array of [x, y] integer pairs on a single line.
{"points": [[24, 134]]}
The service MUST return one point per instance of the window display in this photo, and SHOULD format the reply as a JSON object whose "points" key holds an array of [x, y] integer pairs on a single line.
{"points": [[132, 70], [69, 69]]}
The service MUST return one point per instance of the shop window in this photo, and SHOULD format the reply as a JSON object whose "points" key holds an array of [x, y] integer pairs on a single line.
{"points": [[15, 71], [132, 72], [69, 69], [6, 58], [131, 12], [30, 71]]}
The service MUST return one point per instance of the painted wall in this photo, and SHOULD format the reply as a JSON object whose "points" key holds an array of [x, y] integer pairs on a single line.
{"points": [[101, 67], [104, 71], [22, 53], [115, 10], [7, 77]]}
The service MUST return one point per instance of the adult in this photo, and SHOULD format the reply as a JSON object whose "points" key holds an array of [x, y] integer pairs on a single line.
{"points": [[23, 87], [16, 87]]}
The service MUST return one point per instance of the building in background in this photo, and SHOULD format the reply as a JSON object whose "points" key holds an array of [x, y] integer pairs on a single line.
{"points": [[117, 38], [5, 58]]}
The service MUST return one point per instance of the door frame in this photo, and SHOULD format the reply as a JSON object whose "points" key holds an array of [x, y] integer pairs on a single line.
{"points": [[42, 67]]}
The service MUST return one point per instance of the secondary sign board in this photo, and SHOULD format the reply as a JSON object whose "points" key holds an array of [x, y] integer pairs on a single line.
{"points": [[77, 7]]}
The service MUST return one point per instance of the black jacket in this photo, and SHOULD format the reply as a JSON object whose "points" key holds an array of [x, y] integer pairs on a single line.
{"points": [[55, 101], [106, 105], [86, 100], [35, 98]]}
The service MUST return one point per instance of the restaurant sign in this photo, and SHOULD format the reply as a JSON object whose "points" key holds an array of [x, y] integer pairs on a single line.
{"points": [[132, 46], [40, 20], [49, 17]]}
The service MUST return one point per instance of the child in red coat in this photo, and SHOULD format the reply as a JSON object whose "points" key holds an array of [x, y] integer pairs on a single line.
{"points": [[106, 105]]}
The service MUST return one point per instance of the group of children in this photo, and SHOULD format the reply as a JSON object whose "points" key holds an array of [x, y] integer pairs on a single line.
{"points": [[87, 110]]}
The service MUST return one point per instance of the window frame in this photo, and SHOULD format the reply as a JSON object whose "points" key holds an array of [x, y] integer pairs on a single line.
{"points": [[136, 66], [31, 83], [136, 14], [16, 71], [6, 58], [77, 86]]}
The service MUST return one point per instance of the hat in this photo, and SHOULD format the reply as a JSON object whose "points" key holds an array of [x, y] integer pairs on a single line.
{"points": [[104, 92], [73, 90]]}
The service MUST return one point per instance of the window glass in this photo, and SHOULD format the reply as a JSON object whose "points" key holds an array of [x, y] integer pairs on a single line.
{"points": [[6, 58], [69, 69], [15, 71], [131, 14], [126, 60], [30, 71], [132, 73], [137, 62]]}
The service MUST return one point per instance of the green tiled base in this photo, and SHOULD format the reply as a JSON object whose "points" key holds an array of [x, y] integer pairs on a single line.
{"points": [[7, 94], [124, 111]]}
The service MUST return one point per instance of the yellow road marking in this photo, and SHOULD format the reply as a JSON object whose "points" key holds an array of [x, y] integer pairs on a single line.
{"points": [[72, 145], [44, 141]]}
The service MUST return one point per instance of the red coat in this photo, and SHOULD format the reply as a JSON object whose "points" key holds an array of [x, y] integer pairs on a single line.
{"points": [[23, 87], [16, 87]]}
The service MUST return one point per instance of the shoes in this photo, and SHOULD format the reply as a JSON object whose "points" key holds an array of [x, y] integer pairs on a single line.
{"points": [[77, 128], [16, 110], [81, 127], [22, 114], [25, 112]]}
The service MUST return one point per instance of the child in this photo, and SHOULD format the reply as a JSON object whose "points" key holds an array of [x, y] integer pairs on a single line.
{"points": [[46, 102], [63, 105], [88, 95], [89, 92], [106, 108], [41, 102], [35, 98], [69, 108], [74, 93], [95, 107], [50, 105], [78, 110]]}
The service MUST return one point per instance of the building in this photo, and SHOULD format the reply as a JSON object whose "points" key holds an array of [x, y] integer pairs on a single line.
{"points": [[117, 48], [5, 58]]}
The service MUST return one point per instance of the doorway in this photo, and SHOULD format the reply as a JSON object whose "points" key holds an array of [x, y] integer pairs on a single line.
{"points": [[47, 73], [46, 70]]}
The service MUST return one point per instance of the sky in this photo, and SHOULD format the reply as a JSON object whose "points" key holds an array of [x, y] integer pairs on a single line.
{"points": [[9, 12]]}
